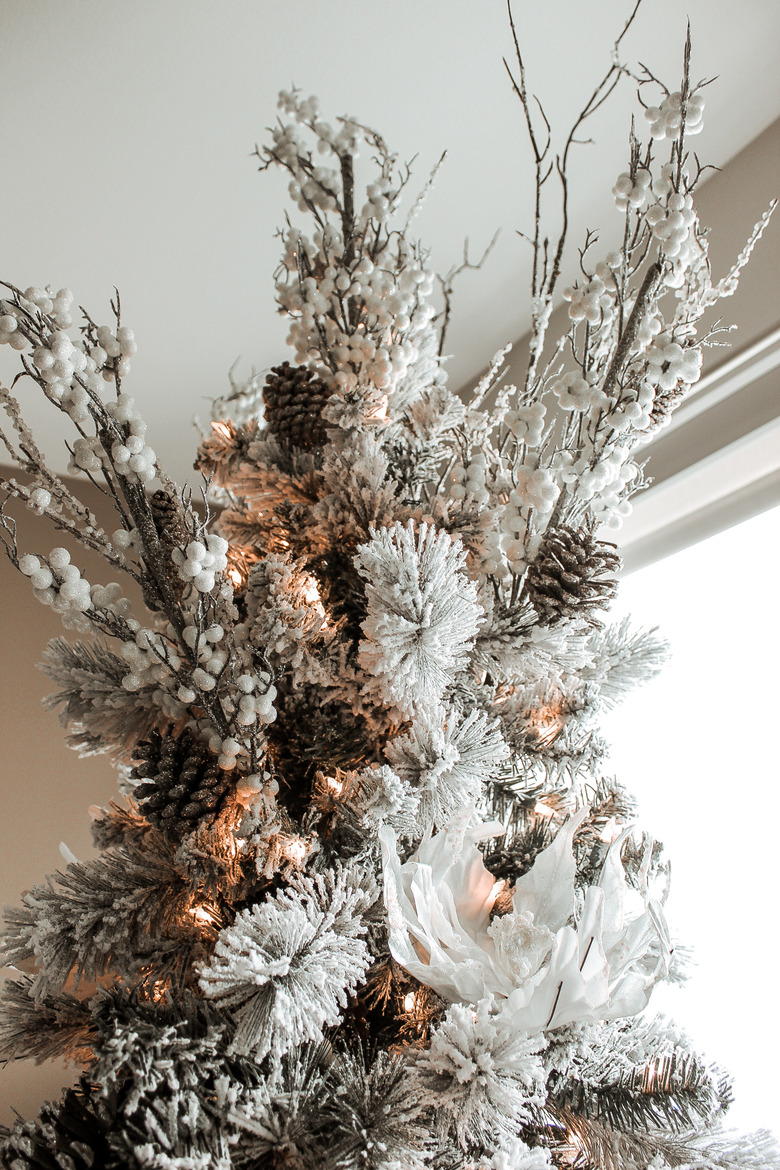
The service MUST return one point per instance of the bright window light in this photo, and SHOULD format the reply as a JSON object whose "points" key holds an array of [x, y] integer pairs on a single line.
{"points": [[698, 746]]}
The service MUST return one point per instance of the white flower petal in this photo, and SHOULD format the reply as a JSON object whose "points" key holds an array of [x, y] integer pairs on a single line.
{"points": [[547, 890]]}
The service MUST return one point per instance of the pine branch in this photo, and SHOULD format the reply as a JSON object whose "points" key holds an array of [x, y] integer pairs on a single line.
{"points": [[288, 964], [176, 1078], [592, 1145], [675, 1091], [126, 910], [375, 1113], [284, 1121], [100, 713], [40, 1028]]}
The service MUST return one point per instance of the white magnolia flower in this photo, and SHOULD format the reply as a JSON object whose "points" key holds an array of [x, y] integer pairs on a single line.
{"points": [[546, 965]]}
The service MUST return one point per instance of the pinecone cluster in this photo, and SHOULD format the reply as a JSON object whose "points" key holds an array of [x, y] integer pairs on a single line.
{"points": [[570, 576], [181, 786], [294, 398]]}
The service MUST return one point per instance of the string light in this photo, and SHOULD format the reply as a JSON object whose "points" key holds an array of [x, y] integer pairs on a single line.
{"points": [[206, 915], [235, 577], [543, 810], [546, 722], [410, 1001], [158, 990], [295, 850], [221, 429], [379, 413], [311, 592], [577, 1146], [335, 785]]}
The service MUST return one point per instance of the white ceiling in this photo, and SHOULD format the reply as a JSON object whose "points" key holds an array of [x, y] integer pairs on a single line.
{"points": [[127, 130]]}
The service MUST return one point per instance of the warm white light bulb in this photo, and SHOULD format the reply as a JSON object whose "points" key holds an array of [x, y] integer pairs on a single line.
{"points": [[203, 914], [296, 850], [311, 592]]}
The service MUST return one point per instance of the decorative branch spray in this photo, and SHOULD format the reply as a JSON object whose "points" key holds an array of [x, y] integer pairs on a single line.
{"points": [[371, 899]]}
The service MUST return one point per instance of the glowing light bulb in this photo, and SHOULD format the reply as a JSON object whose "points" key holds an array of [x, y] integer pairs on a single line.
{"points": [[221, 429], [235, 577], [204, 914], [380, 410], [546, 722], [159, 990], [296, 850], [336, 786], [311, 592], [543, 810], [410, 1001]]}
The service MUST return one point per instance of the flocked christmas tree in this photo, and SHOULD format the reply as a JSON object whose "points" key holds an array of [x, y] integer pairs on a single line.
{"points": [[371, 897]]}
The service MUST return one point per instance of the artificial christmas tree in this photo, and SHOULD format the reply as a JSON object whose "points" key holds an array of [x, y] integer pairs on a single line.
{"points": [[372, 898]]}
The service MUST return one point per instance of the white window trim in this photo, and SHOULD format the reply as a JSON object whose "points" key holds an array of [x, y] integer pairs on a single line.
{"points": [[739, 480]]}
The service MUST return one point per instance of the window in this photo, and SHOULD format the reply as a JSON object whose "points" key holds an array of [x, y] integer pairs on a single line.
{"points": [[698, 746]]}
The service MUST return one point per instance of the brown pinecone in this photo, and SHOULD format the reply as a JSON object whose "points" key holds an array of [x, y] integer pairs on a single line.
{"points": [[294, 398], [181, 785], [73, 1132], [169, 521], [568, 577], [664, 403]]}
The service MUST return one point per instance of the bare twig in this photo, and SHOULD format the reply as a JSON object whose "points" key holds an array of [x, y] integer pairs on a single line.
{"points": [[447, 282], [423, 193], [546, 265]]}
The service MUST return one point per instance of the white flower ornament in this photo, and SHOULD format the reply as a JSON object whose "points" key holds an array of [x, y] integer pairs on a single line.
{"points": [[546, 963]]}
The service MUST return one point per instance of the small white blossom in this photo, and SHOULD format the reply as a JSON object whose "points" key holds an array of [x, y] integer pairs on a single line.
{"points": [[665, 120], [527, 423], [634, 192]]}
